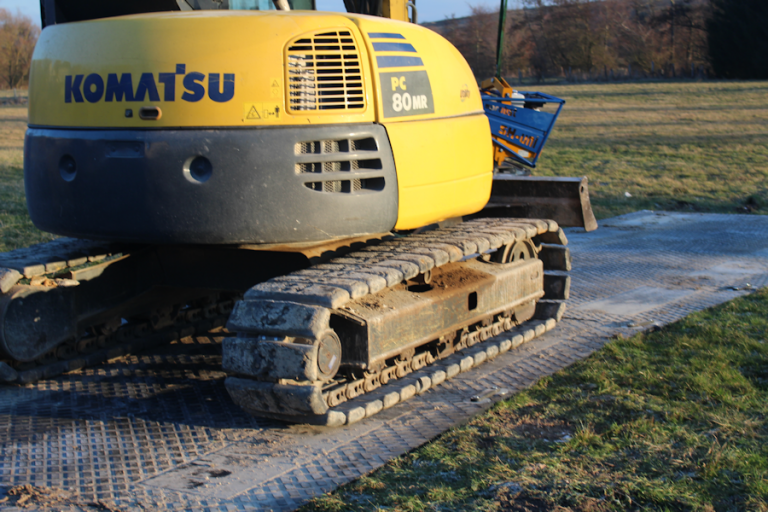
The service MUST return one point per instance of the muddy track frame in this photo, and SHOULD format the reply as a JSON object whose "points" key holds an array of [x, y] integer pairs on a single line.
{"points": [[292, 327]]}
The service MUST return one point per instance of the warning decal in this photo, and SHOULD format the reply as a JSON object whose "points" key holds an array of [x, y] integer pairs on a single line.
{"points": [[261, 112]]}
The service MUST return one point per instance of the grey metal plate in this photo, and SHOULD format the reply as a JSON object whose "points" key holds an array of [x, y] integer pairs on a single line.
{"points": [[158, 431]]}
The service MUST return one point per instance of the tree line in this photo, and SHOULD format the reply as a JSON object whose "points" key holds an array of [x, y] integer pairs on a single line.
{"points": [[604, 38]]}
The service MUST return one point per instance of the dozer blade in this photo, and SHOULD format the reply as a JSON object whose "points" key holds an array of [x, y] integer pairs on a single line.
{"points": [[564, 200]]}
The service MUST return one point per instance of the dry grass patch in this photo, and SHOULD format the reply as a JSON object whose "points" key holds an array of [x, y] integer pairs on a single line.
{"points": [[672, 146], [16, 229]]}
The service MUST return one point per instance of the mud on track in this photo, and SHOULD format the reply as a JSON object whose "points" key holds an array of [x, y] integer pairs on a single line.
{"points": [[158, 431]]}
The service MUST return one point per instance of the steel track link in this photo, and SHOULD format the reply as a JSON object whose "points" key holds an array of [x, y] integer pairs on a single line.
{"points": [[279, 320], [54, 256], [417, 382], [348, 389], [132, 337], [44, 264]]}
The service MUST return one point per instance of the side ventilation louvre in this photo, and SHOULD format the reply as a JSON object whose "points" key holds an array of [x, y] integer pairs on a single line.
{"points": [[347, 186], [324, 73], [336, 157]]}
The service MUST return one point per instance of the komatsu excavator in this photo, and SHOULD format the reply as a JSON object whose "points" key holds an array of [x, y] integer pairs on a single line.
{"points": [[323, 183]]}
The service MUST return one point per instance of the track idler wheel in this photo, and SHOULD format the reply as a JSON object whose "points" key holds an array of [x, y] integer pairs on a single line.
{"points": [[328, 355], [163, 317], [66, 350], [519, 250], [267, 359]]}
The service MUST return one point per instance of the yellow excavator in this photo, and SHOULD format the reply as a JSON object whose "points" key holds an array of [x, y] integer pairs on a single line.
{"points": [[323, 183]]}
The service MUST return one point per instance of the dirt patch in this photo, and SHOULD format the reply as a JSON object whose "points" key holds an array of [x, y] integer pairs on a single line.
{"points": [[694, 283], [30, 496], [511, 499], [449, 277], [454, 275], [751, 205], [542, 429], [682, 206], [373, 302]]}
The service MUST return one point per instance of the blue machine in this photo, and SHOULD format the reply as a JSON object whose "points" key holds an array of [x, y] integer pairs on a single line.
{"points": [[519, 125]]}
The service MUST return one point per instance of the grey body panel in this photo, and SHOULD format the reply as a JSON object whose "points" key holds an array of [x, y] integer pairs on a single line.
{"points": [[131, 185]]}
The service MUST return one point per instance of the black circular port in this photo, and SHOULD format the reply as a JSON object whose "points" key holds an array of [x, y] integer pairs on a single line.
{"points": [[67, 168], [198, 169]]}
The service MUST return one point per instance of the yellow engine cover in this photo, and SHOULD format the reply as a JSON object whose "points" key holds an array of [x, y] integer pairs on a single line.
{"points": [[228, 69]]}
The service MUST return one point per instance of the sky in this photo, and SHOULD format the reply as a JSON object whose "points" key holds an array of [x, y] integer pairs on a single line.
{"points": [[428, 10]]}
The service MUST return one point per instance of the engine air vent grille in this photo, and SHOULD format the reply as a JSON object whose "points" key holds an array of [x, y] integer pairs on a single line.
{"points": [[340, 166], [317, 147], [324, 73], [347, 186]]}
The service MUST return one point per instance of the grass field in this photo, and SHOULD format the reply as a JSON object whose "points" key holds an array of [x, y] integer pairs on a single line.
{"points": [[673, 420], [16, 230], [690, 146]]}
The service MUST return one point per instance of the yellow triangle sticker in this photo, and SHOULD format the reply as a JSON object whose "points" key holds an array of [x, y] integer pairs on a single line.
{"points": [[260, 113], [275, 83]]}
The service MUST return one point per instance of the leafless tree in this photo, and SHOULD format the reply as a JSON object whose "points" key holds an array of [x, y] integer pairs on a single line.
{"points": [[681, 27], [592, 36], [475, 37], [18, 35]]}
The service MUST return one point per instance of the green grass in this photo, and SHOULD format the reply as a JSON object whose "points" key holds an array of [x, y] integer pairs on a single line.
{"points": [[16, 229], [690, 146], [670, 420]]}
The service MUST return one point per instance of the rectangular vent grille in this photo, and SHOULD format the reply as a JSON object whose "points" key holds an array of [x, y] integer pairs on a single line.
{"points": [[340, 156], [324, 73], [347, 186], [327, 147]]}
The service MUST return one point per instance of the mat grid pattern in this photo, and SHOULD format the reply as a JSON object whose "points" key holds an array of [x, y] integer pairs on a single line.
{"points": [[157, 431]]}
